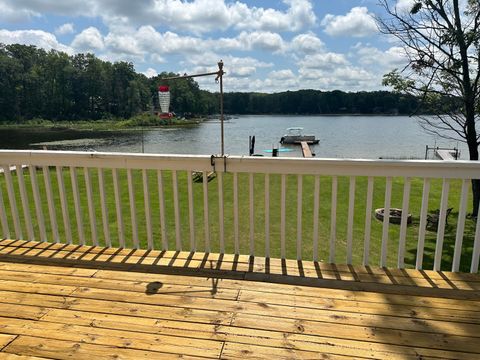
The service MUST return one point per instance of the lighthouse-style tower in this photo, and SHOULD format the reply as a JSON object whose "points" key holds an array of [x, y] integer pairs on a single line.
{"points": [[164, 100]]}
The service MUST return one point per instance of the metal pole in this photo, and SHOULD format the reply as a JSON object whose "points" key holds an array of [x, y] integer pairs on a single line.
{"points": [[220, 75], [219, 79]]}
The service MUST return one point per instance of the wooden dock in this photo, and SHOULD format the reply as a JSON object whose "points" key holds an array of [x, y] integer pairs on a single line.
{"points": [[62, 301], [307, 153], [445, 154]]}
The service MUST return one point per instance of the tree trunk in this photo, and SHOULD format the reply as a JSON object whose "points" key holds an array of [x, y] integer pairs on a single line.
{"points": [[473, 150]]}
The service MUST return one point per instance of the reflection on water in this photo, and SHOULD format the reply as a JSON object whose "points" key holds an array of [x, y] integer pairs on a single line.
{"points": [[340, 137]]}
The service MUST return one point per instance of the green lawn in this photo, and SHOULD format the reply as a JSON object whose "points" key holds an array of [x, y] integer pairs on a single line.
{"points": [[259, 210]]}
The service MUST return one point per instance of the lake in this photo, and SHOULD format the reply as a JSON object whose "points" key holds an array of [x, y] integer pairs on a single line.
{"points": [[369, 137]]}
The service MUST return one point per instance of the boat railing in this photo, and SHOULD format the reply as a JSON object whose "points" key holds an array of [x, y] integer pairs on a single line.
{"points": [[320, 209]]}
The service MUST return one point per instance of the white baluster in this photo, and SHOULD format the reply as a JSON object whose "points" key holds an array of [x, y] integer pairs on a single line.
{"points": [[148, 209], [13, 202], [133, 208], [423, 224], [64, 205], [161, 198], [38, 204], [351, 209], [386, 221], [368, 222], [191, 213], [206, 222], [25, 203], [176, 210], [316, 211], [442, 214], [267, 215], [282, 215], [252, 215], [299, 215], [91, 206], [51, 204], [118, 208], [103, 205], [403, 224], [462, 213], [333, 220], [235, 213]]}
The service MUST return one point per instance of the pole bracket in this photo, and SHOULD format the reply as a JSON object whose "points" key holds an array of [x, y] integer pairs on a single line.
{"points": [[213, 159]]}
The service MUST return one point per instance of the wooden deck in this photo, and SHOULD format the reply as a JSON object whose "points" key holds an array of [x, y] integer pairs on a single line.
{"points": [[67, 301]]}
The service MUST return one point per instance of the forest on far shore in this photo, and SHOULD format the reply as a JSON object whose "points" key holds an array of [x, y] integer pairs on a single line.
{"points": [[39, 84]]}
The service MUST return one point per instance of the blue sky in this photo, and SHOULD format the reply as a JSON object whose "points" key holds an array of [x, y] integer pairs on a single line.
{"points": [[268, 46]]}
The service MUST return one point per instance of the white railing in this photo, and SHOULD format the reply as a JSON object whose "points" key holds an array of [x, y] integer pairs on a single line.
{"points": [[321, 209]]}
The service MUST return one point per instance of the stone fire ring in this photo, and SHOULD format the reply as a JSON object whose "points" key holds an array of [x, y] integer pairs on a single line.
{"points": [[395, 215]]}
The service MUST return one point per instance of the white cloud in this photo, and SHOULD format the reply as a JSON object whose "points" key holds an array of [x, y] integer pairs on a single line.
{"points": [[285, 74], [324, 61], [38, 38], [299, 15], [198, 16], [34, 7], [330, 71], [261, 40], [150, 72], [307, 43], [89, 39], [123, 44], [357, 23], [404, 5], [387, 60], [64, 29], [12, 13], [239, 71]]}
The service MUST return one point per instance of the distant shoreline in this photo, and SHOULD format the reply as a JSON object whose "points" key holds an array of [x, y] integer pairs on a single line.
{"points": [[138, 123]]}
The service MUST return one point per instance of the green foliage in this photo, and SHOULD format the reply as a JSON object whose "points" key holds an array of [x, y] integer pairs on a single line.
{"points": [[308, 102], [53, 85], [146, 120]]}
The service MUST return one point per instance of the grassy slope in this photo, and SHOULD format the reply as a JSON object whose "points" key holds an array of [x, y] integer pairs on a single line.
{"points": [[104, 124], [259, 210]]}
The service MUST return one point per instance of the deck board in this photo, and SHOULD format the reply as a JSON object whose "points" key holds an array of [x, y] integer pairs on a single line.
{"points": [[66, 301]]}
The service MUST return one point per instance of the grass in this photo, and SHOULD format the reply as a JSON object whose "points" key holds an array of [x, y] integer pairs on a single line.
{"points": [[143, 120], [259, 211]]}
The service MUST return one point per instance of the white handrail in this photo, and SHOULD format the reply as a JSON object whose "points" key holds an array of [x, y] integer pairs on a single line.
{"points": [[167, 208]]}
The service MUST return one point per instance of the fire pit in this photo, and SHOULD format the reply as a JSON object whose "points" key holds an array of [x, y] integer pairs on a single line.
{"points": [[395, 215]]}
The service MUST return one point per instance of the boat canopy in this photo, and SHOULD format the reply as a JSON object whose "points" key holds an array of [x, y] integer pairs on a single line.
{"points": [[294, 128]]}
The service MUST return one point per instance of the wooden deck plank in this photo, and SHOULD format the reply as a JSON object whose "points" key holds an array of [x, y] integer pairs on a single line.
{"points": [[368, 334], [229, 288], [357, 279], [268, 304], [211, 289], [241, 351], [66, 301], [111, 307], [22, 311], [291, 266], [112, 337], [5, 339], [58, 349], [274, 339], [7, 356]]}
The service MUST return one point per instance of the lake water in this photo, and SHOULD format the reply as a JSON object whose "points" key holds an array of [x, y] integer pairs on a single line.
{"points": [[368, 137]]}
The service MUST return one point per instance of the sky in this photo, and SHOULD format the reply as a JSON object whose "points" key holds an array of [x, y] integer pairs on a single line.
{"points": [[266, 46]]}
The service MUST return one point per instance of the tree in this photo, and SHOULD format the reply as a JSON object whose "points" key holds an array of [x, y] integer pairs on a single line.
{"points": [[441, 39]]}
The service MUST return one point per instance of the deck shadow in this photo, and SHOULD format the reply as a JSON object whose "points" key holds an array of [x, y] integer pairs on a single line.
{"points": [[293, 272]]}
